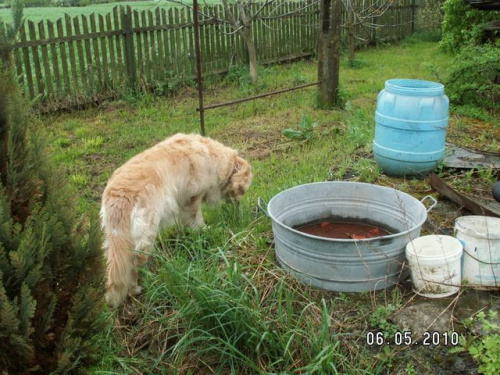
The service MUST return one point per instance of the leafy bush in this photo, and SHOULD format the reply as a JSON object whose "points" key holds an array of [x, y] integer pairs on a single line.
{"points": [[462, 25], [473, 77]]}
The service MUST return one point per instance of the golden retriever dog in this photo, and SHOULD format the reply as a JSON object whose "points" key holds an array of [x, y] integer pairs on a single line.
{"points": [[160, 187]]}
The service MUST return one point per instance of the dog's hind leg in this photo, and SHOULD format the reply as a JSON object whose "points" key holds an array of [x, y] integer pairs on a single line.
{"points": [[144, 231]]}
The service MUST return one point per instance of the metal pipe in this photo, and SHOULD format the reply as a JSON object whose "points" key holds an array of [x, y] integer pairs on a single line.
{"points": [[256, 96], [199, 77]]}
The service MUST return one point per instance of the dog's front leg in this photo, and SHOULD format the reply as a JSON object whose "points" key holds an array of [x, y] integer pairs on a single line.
{"points": [[191, 215]]}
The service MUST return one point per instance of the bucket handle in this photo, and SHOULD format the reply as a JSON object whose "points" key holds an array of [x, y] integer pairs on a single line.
{"points": [[435, 202], [259, 204]]}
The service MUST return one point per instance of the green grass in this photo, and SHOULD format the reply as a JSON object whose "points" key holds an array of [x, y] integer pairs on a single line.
{"points": [[214, 300], [53, 13]]}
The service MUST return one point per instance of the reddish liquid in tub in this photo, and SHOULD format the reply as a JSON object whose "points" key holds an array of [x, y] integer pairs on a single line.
{"points": [[343, 230]]}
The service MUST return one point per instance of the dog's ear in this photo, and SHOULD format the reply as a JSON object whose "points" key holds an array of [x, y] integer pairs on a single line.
{"points": [[238, 165], [241, 166], [240, 179]]}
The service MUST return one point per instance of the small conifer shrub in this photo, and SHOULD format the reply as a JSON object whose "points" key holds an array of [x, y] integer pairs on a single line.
{"points": [[51, 268]]}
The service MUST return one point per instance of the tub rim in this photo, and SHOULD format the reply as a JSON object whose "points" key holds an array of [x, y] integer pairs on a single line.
{"points": [[342, 240]]}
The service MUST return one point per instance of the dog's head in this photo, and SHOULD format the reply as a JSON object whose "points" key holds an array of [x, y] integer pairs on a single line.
{"points": [[239, 180]]}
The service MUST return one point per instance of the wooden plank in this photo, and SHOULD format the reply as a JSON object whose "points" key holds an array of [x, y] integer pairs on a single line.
{"points": [[113, 65], [36, 59], [161, 45], [106, 77], [207, 36], [152, 48], [27, 64], [98, 79], [54, 55], [212, 56], [288, 36], [275, 38], [166, 44], [300, 28], [82, 74], [282, 31], [72, 59], [147, 50], [45, 62], [71, 38], [138, 42], [173, 45], [185, 45], [118, 44], [180, 55], [241, 56], [192, 53], [257, 35], [128, 47], [473, 205], [90, 67], [19, 66], [64, 58], [293, 40], [219, 41]]}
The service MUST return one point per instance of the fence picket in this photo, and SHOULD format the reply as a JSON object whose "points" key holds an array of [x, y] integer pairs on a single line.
{"points": [[36, 59], [161, 44], [113, 65], [27, 63], [64, 58], [45, 60], [180, 53], [19, 66], [79, 50], [91, 67], [191, 57], [53, 54], [95, 49], [118, 45], [185, 65], [139, 51], [147, 50], [106, 78], [72, 59], [173, 43]]}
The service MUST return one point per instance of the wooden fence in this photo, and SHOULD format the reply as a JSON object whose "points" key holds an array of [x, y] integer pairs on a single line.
{"points": [[73, 61]]}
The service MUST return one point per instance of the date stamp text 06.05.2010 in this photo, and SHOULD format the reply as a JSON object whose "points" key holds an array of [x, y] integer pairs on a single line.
{"points": [[406, 339]]}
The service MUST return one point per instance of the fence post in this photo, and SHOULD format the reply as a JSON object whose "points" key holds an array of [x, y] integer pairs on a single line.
{"points": [[128, 46], [413, 15]]}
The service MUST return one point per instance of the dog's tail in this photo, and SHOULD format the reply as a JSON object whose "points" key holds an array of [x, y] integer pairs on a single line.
{"points": [[115, 216]]}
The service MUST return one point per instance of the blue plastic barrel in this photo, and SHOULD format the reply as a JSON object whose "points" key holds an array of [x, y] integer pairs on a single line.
{"points": [[410, 126]]}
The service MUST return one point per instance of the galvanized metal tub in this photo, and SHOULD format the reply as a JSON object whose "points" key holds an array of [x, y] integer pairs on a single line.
{"points": [[346, 265]]}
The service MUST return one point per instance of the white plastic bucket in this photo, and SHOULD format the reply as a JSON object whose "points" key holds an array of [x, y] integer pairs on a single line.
{"points": [[435, 267], [481, 238]]}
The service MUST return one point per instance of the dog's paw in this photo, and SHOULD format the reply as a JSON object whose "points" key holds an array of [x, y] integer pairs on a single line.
{"points": [[112, 301], [136, 290]]}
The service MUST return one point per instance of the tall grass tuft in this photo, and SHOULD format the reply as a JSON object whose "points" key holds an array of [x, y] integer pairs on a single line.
{"points": [[224, 319]]}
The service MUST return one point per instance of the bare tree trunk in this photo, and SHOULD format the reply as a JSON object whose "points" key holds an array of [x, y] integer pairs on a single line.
{"points": [[252, 52], [329, 52], [245, 31]]}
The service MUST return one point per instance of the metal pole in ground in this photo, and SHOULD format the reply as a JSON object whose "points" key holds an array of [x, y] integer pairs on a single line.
{"points": [[198, 66]]}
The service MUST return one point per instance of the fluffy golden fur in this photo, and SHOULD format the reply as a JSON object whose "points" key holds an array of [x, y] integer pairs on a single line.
{"points": [[163, 186]]}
